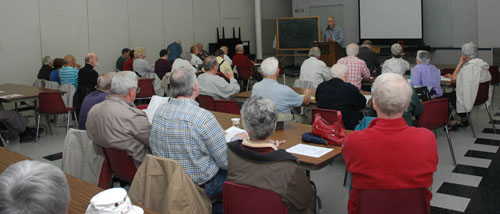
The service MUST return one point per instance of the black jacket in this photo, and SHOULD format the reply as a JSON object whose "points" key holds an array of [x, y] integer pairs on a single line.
{"points": [[371, 60]]}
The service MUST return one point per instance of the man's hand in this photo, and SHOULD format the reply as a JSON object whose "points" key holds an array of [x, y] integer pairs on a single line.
{"points": [[277, 143], [230, 74], [307, 96]]}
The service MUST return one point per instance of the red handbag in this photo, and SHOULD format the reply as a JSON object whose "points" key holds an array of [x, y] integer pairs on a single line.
{"points": [[334, 133]]}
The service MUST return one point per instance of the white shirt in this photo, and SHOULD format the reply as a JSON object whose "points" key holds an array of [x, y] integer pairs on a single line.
{"points": [[314, 71], [228, 59], [181, 63], [395, 65], [196, 61]]}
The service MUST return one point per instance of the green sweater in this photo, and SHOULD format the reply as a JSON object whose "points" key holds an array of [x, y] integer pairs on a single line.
{"points": [[414, 109]]}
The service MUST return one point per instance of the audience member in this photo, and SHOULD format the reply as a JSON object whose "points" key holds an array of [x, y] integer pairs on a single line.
{"points": [[396, 164], [201, 53], [356, 68], [141, 66], [244, 65], [117, 123], [215, 86], [313, 69], [195, 60], [54, 75], [163, 65], [190, 135], [185, 63], [44, 72], [69, 72], [338, 95], [332, 32], [87, 80], [129, 64], [425, 74], [31, 186], [224, 66], [226, 57], [283, 96], [122, 59], [396, 61], [15, 121], [370, 57], [174, 51], [95, 97], [258, 161]]}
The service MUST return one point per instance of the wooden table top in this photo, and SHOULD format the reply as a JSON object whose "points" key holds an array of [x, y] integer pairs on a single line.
{"points": [[371, 80], [26, 92], [292, 134], [81, 191]]}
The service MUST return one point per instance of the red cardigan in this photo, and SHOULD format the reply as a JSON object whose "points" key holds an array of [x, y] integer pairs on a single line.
{"points": [[128, 65], [244, 65], [390, 155]]}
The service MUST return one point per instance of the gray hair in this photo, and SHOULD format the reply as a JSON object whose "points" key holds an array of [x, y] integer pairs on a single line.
{"points": [[182, 83], [269, 66], [338, 70], [424, 56], [352, 49], [393, 66], [470, 50], [396, 49], [104, 81], [391, 93], [122, 82], [209, 63], [315, 52], [186, 56], [259, 117], [47, 60], [239, 48], [30, 186]]}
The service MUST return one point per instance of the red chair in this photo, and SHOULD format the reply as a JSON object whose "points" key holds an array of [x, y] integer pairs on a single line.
{"points": [[244, 76], [121, 165], [142, 107], [481, 98], [495, 79], [206, 102], [220, 74], [51, 103], [145, 89], [243, 199], [408, 201], [447, 71], [434, 116], [227, 106]]}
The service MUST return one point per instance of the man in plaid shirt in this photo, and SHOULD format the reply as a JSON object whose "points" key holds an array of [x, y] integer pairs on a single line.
{"points": [[191, 135], [356, 68]]}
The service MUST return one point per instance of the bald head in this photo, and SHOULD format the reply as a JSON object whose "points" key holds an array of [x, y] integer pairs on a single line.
{"points": [[69, 60], [91, 59], [104, 81]]}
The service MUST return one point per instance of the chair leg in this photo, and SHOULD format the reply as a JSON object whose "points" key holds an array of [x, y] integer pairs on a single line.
{"points": [[48, 125], [67, 121], [345, 176], [37, 127], [471, 126], [491, 118], [3, 141], [450, 144], [248, 84]]}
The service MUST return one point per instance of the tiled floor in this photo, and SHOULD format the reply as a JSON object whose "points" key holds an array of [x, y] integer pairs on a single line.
{"points": [[470, 187]]}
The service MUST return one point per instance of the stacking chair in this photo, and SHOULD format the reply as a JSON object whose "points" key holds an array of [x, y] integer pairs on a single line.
{"points": [[206, 102], [495, 79], [435, 116], [244, 199], [145, 89], [142, 107], [244, 77], [227, 106], [408, 201], [51, 103], [220, 74], [122, 166], [481, 98]]}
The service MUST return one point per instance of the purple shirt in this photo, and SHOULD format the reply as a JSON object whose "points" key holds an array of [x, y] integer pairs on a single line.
{"points": [[427, 75], [90, 100]]}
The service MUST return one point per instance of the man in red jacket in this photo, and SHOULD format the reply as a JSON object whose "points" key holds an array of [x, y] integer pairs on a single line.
{"points": [[244, 65], [389, 154]]}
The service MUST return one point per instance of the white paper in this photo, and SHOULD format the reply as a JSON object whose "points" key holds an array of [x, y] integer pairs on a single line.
{"points": [[445, 78], [368, 97], [308, 150], [231, 132], [154, 104], [1, 92], [10, 96]]}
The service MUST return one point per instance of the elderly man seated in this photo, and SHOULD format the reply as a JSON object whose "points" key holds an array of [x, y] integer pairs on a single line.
{"points": [[338, 95], [253, 161], [408, 157], [367, 54], [191, 135], [95, 97], [313, 69], [117, 123], [396, 61], [283, 96], [215, 86], [356, 68], [33, 187], [425, 74]]}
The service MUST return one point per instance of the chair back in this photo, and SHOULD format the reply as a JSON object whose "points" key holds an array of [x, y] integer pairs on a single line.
{"points": [[243, 199], [482, 93], [408, 201], [51, 103], [40, 83], [329, 115], [220, 74], [227, 106], [146, 89], [243, 75], [68, 96], [121, 165], [206, 102], [447, 71], [142, 107], [495, 75], [434, 115]]}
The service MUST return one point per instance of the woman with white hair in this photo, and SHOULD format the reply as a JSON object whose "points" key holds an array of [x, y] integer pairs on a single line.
{"points": [[314, 70], [389, 154], [141, 66], [396, 64], [259, 162], [44, 72]]}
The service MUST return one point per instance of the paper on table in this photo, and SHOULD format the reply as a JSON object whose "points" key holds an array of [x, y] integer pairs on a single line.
{"points": [[11, 95], [307, 150], [368, 97], [231, 132], [154, 104], [445, 78], [1, 92]]}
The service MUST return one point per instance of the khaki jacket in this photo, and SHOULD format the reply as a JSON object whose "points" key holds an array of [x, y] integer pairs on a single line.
{"points": [[162, 185]]}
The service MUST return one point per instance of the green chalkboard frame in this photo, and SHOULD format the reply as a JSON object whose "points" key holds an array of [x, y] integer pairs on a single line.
{"points": [[288, 18]]}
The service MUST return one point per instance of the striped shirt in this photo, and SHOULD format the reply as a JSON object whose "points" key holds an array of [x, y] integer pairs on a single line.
{"points": [[356, 70], [69, 75], [184, 132]]}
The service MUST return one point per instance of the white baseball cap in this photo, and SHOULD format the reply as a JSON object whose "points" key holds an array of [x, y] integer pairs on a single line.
{"points": [[112, 201]]}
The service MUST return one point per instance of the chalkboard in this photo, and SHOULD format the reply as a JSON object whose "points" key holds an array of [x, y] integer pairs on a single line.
{"points": [[297, 33]]}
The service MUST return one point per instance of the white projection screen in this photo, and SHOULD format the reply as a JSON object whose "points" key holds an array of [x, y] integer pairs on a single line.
{"points": [[390, 19]]}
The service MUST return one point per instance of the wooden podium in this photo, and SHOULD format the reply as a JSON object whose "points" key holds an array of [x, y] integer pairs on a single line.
{"points": [[330, 52]]}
